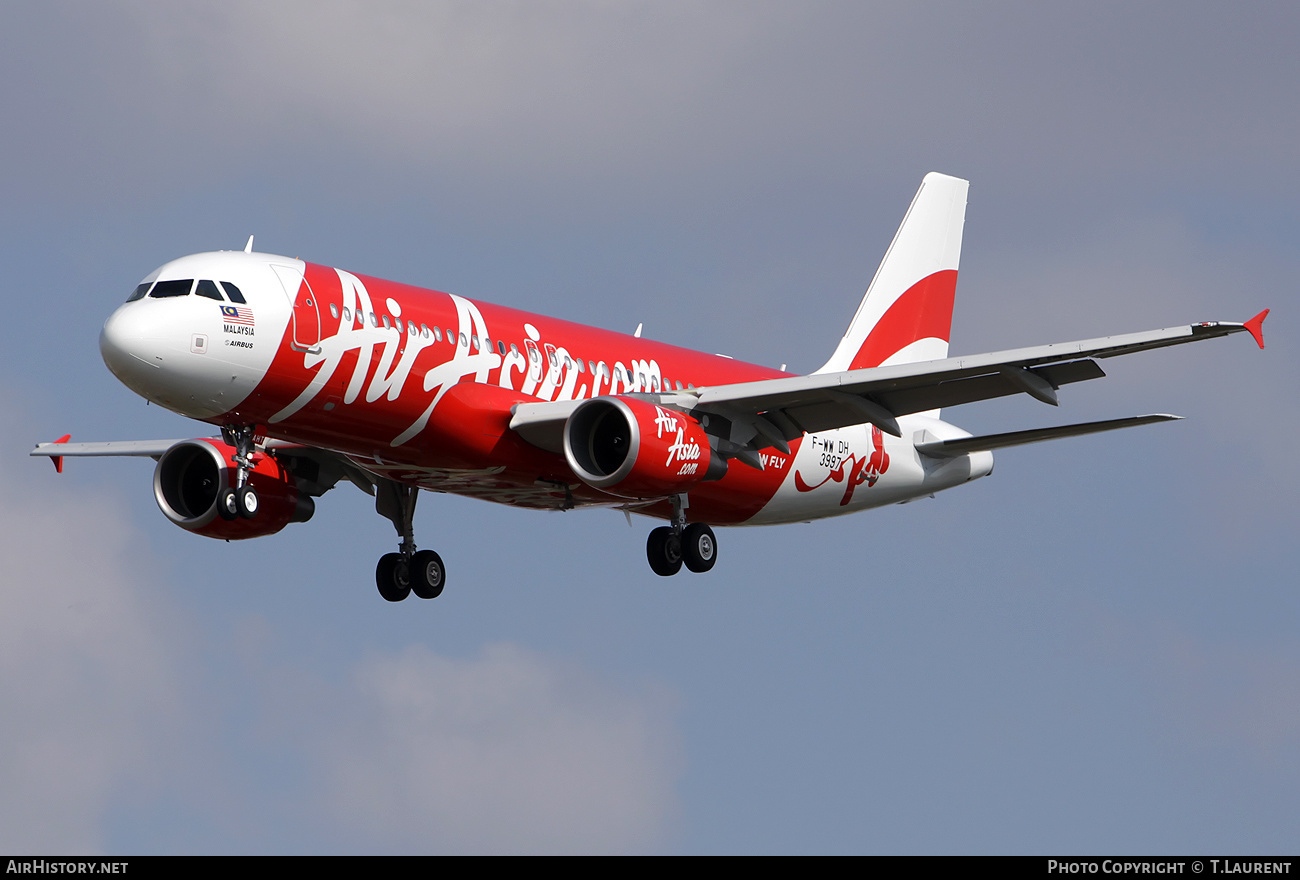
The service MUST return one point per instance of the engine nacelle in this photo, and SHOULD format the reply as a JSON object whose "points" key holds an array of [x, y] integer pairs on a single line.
{"points": [[634, 449], [190, 475]]}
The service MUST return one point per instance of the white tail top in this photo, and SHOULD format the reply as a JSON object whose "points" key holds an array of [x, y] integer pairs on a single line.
{"points": [[906, 314]]}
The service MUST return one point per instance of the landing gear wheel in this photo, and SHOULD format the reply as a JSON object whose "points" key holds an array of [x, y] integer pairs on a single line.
{"points": [[664, 550], [393, 577], [227, 506], [246, 500], [427, 574], [699, 547]]}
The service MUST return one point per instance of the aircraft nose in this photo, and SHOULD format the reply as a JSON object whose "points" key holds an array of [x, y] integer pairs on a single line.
{"points": [[125, 345]]}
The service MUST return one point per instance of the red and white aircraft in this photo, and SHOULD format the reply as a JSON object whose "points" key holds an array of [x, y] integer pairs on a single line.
{"points": [[316, 375]]}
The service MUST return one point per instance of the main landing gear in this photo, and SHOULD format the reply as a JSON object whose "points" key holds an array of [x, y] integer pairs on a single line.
{"points": [[408, 571], [668, 547], [242, 499]]}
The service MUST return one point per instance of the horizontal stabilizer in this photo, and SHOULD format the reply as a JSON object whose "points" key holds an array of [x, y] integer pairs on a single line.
{"points": [[965, 445]]}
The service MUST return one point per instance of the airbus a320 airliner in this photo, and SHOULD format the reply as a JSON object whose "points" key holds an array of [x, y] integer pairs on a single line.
{"points": [[316, 375]]}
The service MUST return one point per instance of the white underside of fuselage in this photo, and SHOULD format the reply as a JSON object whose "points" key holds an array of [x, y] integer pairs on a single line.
{"points": [[858, 467]]}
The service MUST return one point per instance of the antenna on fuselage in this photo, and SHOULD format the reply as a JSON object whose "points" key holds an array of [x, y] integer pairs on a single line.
{"points": [[248, 248], [637, 334]]}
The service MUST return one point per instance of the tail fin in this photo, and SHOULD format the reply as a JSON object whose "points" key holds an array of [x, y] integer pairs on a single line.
{"points": [[906, 314]]}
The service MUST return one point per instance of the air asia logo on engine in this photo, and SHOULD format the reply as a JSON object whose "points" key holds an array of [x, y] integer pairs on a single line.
{"points": [[683, 450], [853, 470]]}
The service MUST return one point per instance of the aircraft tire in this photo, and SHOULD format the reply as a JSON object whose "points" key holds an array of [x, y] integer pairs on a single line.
{"points": [[664, 550], [393, 577], [227, 505], [427, 574], [246, 501], [699, 547]]}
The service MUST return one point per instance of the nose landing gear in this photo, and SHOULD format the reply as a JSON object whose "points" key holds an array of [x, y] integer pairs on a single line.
{"points": [[241, 500]]}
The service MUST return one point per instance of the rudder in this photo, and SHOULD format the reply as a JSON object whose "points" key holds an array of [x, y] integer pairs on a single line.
{"points": [[906, 314]]}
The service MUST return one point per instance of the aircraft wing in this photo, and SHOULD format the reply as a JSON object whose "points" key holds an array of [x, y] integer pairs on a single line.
{"points": [[330, 467], [821, 402], [110, 448], [141, 448], [772, 412]]}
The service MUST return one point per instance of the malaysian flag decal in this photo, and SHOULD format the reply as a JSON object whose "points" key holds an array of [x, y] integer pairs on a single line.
{"points": [[237, 315]]}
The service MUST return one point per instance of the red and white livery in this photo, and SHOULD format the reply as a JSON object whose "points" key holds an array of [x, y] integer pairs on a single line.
{"points": [[315, 375]]}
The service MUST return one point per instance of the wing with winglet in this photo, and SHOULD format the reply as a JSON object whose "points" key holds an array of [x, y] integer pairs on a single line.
{"points": [[774, 411]]}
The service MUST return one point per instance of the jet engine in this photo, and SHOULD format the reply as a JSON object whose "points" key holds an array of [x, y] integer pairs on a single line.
{"points": [[190, 476], [634, 449]]}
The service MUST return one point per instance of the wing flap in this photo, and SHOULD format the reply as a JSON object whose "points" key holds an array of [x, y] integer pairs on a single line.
{"points": [[988, 386]]}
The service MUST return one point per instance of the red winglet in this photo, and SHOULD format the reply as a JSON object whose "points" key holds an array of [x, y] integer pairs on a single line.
{"points": [[1256, 327], [58, 459]]}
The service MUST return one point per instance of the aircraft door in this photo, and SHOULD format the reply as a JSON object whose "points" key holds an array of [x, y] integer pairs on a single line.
{"points": [[534, 361], [306, 313]]}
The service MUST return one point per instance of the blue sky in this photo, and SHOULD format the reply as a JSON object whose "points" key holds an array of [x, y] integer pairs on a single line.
{"points": [[1093, 650]]}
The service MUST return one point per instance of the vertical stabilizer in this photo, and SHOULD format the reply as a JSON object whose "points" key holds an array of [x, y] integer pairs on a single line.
{"points": [[906, 313]]}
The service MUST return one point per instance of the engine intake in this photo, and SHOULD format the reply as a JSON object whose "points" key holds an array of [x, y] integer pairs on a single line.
{"points": [[190, 475], [635, 449]]}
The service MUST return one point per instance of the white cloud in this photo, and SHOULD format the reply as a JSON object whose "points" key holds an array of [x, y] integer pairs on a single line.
{"points": [[114, 715], [577, 96], [87, 667], [507, 752]]}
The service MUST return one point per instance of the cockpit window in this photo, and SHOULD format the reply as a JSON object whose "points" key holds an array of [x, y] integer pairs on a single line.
{"points": [[233, 292], [172, 288], [139, 292], [208, 289]]}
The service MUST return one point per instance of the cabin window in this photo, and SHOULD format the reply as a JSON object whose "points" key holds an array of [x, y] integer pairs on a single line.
{"points": [[501, 347]]}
